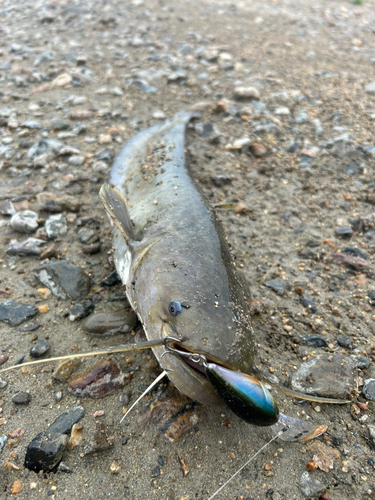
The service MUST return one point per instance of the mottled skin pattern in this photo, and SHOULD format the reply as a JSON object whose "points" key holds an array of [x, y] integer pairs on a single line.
{"points": [[181, 254]]}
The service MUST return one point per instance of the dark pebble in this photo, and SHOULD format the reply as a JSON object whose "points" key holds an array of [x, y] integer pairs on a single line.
{"points": [[87, 236], [278, 286], [354, 251], [161, 460], [80, 311], [316, 341], [14, 313], [221, 180], [155, 472], [369, 389], [64, 279], [40, 348], [111, 280], [66, 420], [362, 362], [45, 451], [3, 358], [91, 249], [21, 398], [344, 232], [30, 327], [308, 303], [345, 342], [3, 442]]}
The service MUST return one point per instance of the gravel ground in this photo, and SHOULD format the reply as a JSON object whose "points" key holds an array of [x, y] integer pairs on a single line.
{"points": [[285, 143]]}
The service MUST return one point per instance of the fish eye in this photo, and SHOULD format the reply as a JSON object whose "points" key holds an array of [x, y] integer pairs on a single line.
{"points": [[174, 308]]}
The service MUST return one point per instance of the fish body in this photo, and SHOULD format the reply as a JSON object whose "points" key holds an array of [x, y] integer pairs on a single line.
{"points": [[175, 262]]}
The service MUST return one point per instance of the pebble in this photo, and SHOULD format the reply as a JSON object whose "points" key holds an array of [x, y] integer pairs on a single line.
{"points": [[344, 232], [369, 389], [3, 442], [278, 286], [87, 236], [3, 358], [326, 375], [55, 203], [56, 226], [99, 440], [14, 313], [101, 324], [111, 280], [370, 88], [81, 310], [40, 348], [92, 249], [30, 246], [308, 303], [246, 93], [21, 398], [316, 341], [311, 486], [65, 369], [104, 378], [44, 146], [301, 117], [345, 342], [64, 279], [45, 451], [64, 422], [25, 221], [76, 160]]}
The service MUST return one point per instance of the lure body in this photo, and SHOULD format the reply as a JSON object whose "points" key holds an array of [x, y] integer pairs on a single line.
{"points": [[174, 259]]}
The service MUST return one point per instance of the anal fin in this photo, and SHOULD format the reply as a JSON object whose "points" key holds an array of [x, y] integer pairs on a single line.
{"points": [[115, 204]]}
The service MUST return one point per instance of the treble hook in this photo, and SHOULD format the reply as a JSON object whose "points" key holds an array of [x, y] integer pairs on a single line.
{"points": [[191, 356]]}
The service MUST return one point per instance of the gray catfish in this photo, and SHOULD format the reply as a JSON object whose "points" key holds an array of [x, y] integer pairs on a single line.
{"points": [[173, 257]]}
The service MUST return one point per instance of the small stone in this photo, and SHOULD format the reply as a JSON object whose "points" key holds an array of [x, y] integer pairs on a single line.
{"points": [[344, 232], [30, 246], [3, 358], [105, 139], [43, 308], [99, 441], [66, 420], [258, 149], [16, 433], [102, 379], [50, 252], [326, 375], [25, 221], [308, 303], [40, 348], [246, 93], [64, 468], [64, 279], [370, 88], [310, 486], [44, 146], [345, 342], [14, 313], [111, 280], [76, 160], [115, 467], [102, 324], [62, 80], [92, 249], [88, 236], [369, 389], [301, 117], [3, 442], [21, 398], [44, 160], [7, 207], [221, 180], [65, 369], [179, 76], [80, 311], [75, 436], [17, 487], [55, 203], [316, 341], [45, 451], [56, 226], [58, 396], [278, 286]]}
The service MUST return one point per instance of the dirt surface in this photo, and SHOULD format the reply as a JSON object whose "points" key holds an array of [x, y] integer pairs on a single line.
{"points": [[296, 193]]}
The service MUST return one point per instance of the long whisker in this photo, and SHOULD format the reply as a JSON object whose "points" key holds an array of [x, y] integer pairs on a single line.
{"points": [[121, 348], [247, 463], [162, 375]]}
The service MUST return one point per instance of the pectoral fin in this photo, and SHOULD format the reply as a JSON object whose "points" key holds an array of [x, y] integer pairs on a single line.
{"points": [[115, 204]]}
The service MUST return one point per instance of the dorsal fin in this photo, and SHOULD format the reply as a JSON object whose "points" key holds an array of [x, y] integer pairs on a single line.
{"points": [[115, 204]]}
